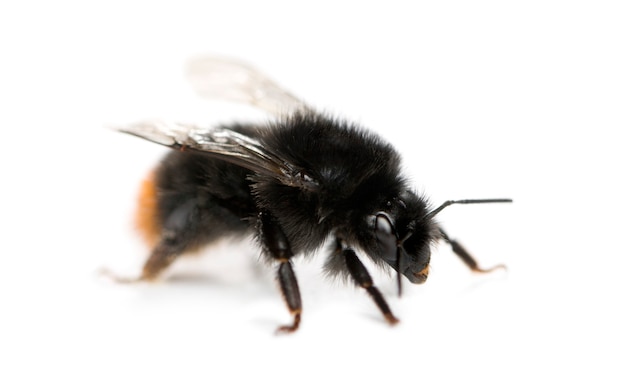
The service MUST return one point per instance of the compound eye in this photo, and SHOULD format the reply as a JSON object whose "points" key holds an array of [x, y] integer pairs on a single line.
{"points": [[386, 237]]}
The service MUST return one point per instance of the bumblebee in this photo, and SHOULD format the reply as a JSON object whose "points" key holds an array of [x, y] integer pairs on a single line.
{"points": [[300, 180]]}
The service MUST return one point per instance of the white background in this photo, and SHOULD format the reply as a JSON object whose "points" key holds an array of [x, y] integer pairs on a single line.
{"points": [[482, 99]]}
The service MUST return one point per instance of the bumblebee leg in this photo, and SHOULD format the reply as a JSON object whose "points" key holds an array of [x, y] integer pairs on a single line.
{"points": [[160, 258], [179, 233], [363, 279], [276, 244], [462, 253], [291, 294]]}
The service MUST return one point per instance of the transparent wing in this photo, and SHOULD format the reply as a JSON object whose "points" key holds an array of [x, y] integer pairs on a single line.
{"points": [[226, 145], [227, 79]]}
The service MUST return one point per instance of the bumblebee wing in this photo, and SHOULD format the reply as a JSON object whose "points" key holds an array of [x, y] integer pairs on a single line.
{"points": [[226, 145], [226, 79]]}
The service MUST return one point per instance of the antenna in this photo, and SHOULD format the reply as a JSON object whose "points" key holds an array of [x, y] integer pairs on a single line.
{"points": [[445, 204], [400, 250]]}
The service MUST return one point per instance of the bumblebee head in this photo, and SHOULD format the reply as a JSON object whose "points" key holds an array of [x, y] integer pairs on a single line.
{"points": [[405, 232], [404, 235]]}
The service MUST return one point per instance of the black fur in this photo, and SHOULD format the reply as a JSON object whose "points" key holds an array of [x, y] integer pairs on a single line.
{"points": [[318, 178], [358, 175]]}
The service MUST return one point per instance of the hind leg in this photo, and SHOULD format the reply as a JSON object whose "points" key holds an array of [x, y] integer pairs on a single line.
{"points": [[188, 226], [161, 257]]}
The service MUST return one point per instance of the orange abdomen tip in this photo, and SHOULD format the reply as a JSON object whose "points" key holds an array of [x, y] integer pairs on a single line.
{"points": [[146, 215]]}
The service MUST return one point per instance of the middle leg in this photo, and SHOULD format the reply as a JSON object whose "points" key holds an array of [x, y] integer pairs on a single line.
{"points": [[276, 244]]}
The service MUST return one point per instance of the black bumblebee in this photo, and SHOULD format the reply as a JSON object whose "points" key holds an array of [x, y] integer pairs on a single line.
{"points": [[293, 183]]}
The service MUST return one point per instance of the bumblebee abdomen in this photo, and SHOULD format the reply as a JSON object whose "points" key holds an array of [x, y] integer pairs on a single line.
{"points": [[146, 215], [193, 199]]}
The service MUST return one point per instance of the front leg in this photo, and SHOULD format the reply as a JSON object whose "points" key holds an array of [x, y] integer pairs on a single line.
{"points": [[465, 256], [363, 279], [276, 244]]}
